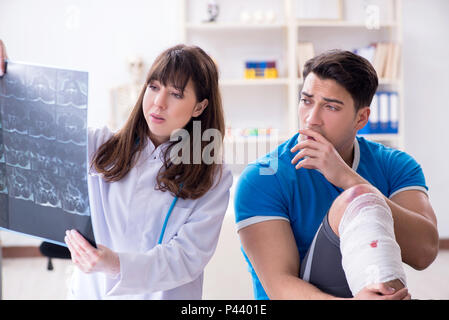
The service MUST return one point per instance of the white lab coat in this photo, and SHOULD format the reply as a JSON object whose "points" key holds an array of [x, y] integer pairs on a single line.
{"points": [[127, 217]]}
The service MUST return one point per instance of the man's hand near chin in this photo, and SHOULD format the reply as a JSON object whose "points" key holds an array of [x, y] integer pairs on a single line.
{"points": [[318, 153]]}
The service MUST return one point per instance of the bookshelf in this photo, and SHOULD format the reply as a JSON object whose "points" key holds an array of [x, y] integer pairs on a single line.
{"points": [[231, 41], [340, 24]]}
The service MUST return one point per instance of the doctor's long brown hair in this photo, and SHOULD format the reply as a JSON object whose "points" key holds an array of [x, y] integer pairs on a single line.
{"points": [[175, 66]]}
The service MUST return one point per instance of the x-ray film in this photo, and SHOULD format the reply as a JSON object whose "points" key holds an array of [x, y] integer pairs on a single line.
{"points": [[43, 152]]}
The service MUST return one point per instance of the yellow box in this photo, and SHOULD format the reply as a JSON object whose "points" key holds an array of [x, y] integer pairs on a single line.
{"points": [[250, 73], [271, 73]]}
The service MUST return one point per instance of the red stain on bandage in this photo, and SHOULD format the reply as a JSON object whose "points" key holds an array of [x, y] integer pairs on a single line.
{"points": [[373, 244]]}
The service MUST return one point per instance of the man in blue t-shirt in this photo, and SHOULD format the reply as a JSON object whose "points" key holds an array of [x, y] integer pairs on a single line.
{"points": [[283, 198]]}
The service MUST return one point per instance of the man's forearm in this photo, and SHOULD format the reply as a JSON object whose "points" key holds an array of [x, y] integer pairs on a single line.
{"points": [[416, 235], [288, 287]]}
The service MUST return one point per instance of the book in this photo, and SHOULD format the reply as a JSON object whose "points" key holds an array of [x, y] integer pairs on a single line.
{"points": [[392, 65], [305, 51], [380, 59], [394, 112], [367, 52], [384, 115], [386, 60], [43, 152]]}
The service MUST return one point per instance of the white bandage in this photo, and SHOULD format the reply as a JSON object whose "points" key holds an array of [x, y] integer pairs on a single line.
{"points": [[370, 253]]}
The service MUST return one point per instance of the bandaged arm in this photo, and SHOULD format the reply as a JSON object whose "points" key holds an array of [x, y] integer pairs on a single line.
{"points": [[370, 253]]}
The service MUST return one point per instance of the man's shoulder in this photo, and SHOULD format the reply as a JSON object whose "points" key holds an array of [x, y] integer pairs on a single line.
{"points": [[380, 152]]}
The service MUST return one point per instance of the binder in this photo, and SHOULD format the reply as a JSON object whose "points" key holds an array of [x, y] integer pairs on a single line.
{"points": [[384, 116], [394, 112], [305, 51], [384, 112], [374, 115]]}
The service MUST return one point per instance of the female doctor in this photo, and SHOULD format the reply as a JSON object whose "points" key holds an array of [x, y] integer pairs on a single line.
{"points": [[156, 221]]}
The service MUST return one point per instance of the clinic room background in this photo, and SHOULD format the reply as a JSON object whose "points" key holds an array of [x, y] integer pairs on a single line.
{"points": [[259, 47]]}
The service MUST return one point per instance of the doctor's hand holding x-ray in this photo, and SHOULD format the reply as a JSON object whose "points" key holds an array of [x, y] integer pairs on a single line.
{"points": [[90, 259]]}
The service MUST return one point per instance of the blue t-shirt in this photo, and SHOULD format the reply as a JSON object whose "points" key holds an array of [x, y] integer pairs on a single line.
{"points": [[271, 188]]}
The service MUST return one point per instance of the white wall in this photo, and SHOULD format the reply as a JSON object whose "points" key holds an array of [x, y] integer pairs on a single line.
{"points": [[95, 36], [426, 84]]}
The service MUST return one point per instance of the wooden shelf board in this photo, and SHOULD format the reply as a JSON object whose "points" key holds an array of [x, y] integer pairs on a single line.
{"points": [[340, 24], [253, 82], [234, 26]]}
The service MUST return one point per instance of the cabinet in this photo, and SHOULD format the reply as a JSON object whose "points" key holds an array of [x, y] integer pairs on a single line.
{"points": [[272, 103]]}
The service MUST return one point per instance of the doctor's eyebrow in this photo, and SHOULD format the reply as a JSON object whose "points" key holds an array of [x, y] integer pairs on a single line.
{"points": [[324, 98]]}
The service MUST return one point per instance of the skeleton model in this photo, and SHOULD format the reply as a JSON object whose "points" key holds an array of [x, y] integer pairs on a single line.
{"points": [[124, 97]]}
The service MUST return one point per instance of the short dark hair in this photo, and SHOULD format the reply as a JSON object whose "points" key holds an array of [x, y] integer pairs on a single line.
{"points": [[351, 71]]}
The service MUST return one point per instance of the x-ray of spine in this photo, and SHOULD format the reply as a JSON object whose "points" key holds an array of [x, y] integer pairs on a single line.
{"points": [[43, 137], [3, 186]]}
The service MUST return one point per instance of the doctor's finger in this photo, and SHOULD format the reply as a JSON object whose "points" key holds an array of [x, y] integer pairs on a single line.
{"points": [[74, 254], [89, 256], [3, 57], [76, 248], [79, 258], [83, 244]]}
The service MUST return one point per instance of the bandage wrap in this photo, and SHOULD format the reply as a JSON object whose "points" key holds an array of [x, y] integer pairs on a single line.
{"points": [[370, 253]]}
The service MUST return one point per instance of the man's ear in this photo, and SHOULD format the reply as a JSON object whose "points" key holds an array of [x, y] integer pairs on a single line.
{"points": [[362, 117], [199, 108]]}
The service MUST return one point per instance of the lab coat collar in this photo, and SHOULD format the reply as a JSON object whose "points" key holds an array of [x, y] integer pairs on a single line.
{"points": [[153, 152]]}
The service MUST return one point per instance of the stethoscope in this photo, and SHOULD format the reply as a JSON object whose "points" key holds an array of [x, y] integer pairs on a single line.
{"points": [[167, 216]]}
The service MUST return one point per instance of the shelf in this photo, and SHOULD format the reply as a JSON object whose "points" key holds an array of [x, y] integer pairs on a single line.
{"points": [[340, 24], [234, 26], [253, 82]]}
